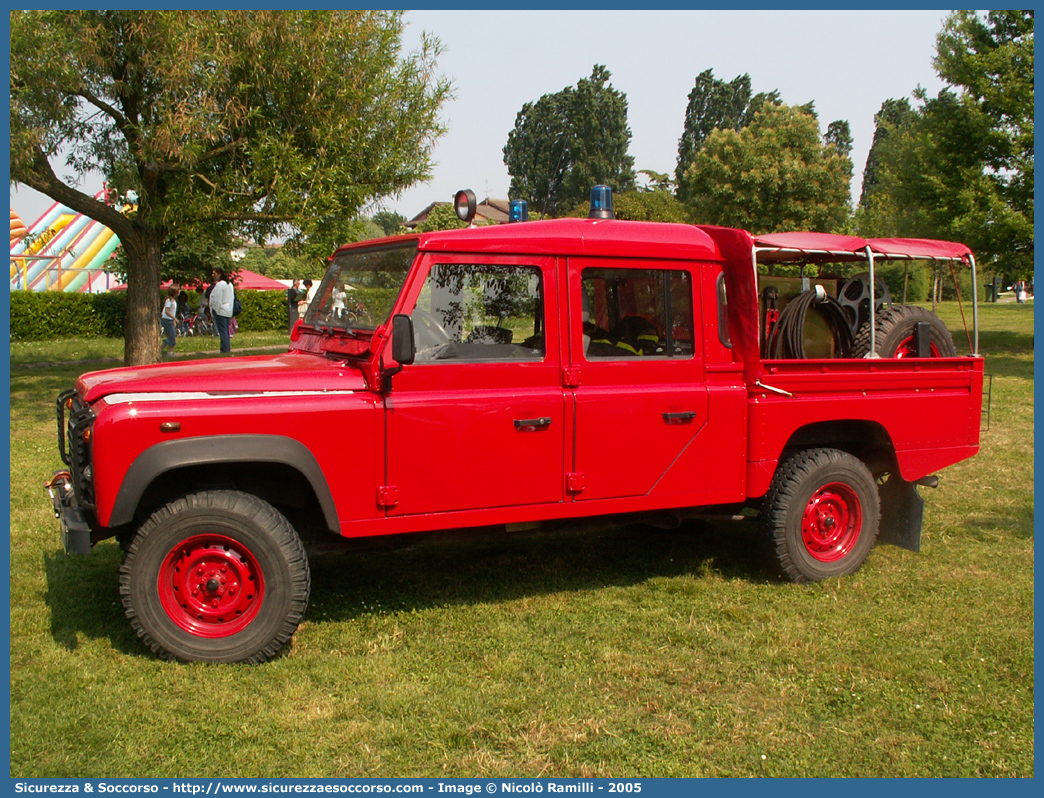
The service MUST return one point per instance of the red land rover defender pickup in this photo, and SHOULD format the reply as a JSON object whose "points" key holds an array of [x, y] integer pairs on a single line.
{"points": [[614, 367]]}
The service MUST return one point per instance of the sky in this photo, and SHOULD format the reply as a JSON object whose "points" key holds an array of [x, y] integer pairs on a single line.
{"points": [[847, 62]]}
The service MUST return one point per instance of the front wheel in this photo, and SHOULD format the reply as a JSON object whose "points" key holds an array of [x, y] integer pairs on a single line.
{"points": [[216, 576], [821, 514]]}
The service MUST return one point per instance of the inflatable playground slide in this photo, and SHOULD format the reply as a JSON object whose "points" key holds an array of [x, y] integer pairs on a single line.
{"points": [[62, 251]]}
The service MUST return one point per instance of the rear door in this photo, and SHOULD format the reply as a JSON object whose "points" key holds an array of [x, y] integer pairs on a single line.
{"points": [[637, 379], [477, 421]]}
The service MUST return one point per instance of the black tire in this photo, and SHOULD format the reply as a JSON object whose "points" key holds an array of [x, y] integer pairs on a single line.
{"points": [[820, 517], [895, 331], [215, 576]]}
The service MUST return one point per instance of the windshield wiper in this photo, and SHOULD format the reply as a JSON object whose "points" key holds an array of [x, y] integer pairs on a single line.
{"points": [[330, 328]]}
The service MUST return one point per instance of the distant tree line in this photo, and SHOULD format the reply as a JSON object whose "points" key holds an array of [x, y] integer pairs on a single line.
{"points": [[958, 166], [744, 159]]}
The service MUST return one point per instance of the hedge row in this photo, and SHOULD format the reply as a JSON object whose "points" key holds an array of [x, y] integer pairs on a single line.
{"points": [[920, 276], [47, 315], [262, 310], [918, 281]]}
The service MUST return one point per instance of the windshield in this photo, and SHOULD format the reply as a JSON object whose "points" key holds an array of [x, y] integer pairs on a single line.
{"points": [[360, 288]]}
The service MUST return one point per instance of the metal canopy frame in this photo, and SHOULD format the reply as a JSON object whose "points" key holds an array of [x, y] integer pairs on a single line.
{"points": [[916, 249]]}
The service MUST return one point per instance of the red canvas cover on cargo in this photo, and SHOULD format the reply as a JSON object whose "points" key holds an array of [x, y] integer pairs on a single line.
{"points": [[809, 243], [920, 248], [830, 247]]}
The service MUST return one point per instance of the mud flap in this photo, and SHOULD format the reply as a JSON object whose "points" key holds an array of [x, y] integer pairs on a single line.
{"points": [[902, 512]]}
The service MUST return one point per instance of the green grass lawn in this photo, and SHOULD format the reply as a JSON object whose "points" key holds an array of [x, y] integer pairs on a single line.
{"points": [[24, 353], [628, 652]]}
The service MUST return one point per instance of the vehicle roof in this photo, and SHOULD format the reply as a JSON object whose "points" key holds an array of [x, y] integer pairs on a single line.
{"points": [[625, 239], [591, 237]]}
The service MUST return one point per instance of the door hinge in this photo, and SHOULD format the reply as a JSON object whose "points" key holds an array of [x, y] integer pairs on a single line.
{"points": [[575, 482], [571, 377], [387, 496]]}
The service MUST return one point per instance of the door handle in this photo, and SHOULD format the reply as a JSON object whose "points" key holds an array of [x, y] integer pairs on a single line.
{"points": [[679, 418], [532, 424]]}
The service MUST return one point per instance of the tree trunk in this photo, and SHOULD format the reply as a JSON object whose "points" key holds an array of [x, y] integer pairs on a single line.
{"points": [[141, 324]]}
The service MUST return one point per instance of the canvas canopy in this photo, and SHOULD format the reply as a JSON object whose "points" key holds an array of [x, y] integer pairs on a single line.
{"points": [[832, 248], [920, 249], [245, 280], [252, 281]]}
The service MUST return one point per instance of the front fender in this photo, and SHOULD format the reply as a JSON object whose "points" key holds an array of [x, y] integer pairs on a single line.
{"points": [[166, 456]]}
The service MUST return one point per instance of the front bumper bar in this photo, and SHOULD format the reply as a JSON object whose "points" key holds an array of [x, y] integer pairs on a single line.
{"points": [[76, 532]]}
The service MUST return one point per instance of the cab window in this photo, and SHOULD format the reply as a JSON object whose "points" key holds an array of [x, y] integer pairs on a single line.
{"points": [[480, 312], [723, 313], [632, 313]]}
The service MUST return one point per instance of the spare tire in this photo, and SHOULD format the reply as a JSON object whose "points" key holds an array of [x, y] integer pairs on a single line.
{"points": [[895, 334]]}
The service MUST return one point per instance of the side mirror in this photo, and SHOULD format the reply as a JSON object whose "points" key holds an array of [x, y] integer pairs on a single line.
{"points": [[403, 348]]}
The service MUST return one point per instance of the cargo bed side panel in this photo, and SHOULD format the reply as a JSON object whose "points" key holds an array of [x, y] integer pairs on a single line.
{"points": [[929, 409]]}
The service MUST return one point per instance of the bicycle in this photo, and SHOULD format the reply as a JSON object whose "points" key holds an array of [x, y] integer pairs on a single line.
{"points": [[200, 324]]}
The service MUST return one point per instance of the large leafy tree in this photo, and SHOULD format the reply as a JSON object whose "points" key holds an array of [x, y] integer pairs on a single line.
{"points": [[839, 136], [277, 263], [257, 123], [894, 114], [442, 216], [189, 254], [389, 221], [714, 104], [960, 165], [776, 173], [567, 142]]}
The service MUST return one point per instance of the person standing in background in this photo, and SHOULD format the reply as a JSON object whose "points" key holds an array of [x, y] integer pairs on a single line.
{"points": [[168, 317], [304, 297], [221, 298], [293, 294], [206, 296], [183, 312], [338, 302]]}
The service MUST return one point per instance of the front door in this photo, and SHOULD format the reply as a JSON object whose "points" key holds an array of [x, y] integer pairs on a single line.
{"points": [[477, 420]]}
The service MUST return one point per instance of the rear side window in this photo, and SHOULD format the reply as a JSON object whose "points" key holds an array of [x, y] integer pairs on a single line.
{"points": [[630, 313], [723, 313]]}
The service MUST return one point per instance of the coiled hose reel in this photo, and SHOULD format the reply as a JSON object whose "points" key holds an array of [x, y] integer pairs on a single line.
{"points": [[786, 341], [854, 297]]}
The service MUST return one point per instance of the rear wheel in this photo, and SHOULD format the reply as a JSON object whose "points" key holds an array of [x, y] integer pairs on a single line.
{"points": [[821, 515], [216, 576]]}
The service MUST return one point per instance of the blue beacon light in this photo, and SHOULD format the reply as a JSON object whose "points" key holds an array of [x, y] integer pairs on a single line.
{"points": [[601, 203], [518, 211]]}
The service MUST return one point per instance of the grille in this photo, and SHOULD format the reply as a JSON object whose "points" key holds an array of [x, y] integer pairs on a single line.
{"points": [[74, 450]]}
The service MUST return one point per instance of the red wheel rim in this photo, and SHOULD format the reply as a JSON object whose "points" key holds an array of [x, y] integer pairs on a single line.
{"points": [[832, 521], [908, 348], [211, 586]]}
